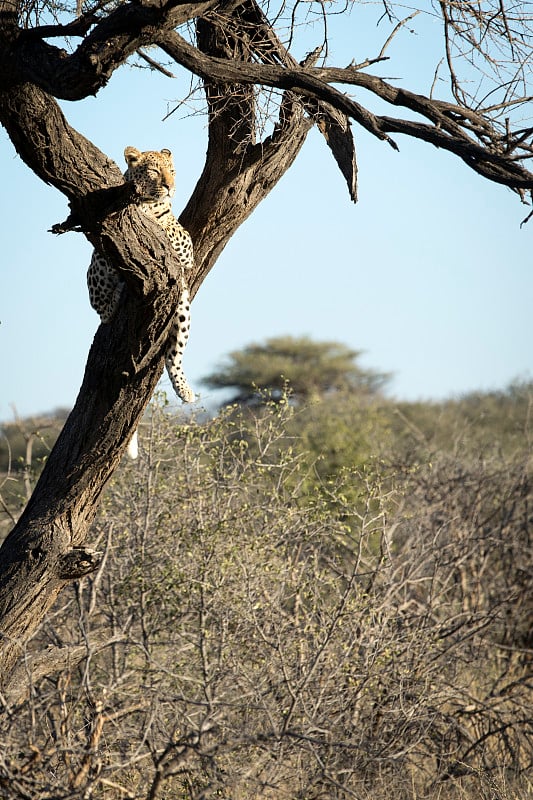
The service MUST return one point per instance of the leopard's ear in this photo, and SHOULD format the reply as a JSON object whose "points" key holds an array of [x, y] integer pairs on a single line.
{"points": [[167, 153], [132, 155]]}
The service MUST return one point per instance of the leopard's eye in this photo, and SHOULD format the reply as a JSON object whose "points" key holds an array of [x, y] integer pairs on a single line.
{"points": [[153, 172]]}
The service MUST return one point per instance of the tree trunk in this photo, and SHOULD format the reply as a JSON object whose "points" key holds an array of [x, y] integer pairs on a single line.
{"points": [[46, 549]]}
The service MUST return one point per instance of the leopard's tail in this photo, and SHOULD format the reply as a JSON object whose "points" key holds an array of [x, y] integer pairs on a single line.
{"points": [[133, 446], [179, 336]]}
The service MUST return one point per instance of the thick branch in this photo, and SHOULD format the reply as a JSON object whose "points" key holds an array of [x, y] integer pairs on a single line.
{"points": [[303, 80], [313, 83], [58, 154], [111, 42], [238, 172], [255, 30], [490, 165]]}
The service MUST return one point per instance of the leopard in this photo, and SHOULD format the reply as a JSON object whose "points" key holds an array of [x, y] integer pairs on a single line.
{"points": [[154, 176]]}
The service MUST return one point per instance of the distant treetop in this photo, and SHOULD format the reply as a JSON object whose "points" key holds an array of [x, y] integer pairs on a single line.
{"points": [[307, 368]]}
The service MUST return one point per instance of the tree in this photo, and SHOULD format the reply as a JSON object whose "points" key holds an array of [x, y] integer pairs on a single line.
{"points": [[234, 50], [305, 368], [339, 420]]}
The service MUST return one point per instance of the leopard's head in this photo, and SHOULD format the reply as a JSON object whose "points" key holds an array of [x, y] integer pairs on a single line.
{"points": [[153, 172]]}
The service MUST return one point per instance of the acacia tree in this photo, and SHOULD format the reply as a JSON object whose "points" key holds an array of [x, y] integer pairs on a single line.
{"points": [[261, 372], [53, 51]]}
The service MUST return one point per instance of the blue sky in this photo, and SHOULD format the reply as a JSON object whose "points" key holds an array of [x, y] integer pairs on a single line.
{"points": [[429, 273]]}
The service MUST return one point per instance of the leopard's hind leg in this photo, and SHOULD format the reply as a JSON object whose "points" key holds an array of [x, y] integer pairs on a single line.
{"points": [[105, 287]]}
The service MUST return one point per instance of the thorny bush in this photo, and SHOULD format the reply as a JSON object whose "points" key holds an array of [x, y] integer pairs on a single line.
{"points": [[243, 638]]}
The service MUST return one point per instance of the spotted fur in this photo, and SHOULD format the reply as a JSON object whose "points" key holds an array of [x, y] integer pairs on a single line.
{"points": [[153, 173]]}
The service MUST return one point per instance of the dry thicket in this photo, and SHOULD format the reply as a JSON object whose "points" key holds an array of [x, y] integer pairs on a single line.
{"points": [[251, 634]]}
